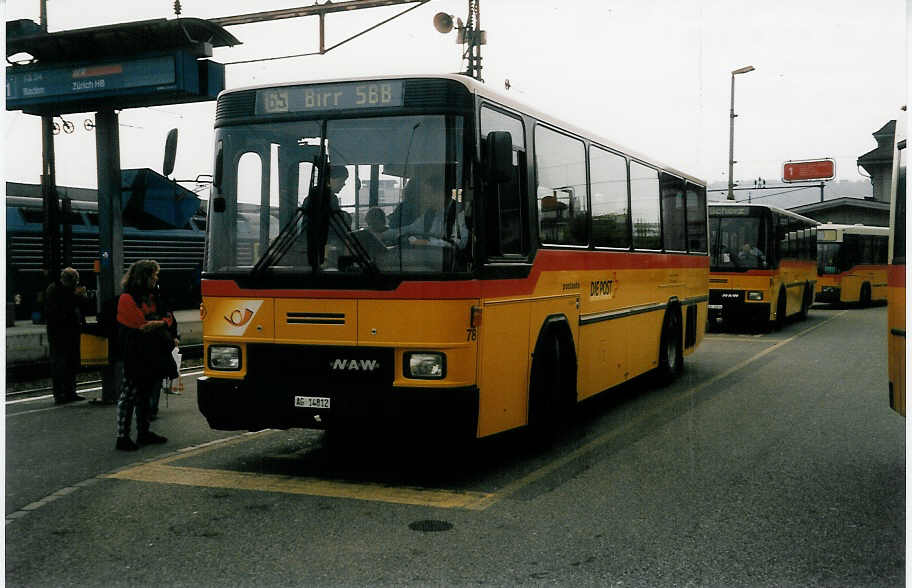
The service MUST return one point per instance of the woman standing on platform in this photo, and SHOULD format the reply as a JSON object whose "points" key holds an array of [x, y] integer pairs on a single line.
{"points": [[147, 344]]}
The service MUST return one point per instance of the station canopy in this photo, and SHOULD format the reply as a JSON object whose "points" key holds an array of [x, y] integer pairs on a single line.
{"points": [[123, 39], [126, 65]]}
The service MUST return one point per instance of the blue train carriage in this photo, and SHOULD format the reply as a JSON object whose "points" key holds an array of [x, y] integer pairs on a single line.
{"points": [[162, 221]]}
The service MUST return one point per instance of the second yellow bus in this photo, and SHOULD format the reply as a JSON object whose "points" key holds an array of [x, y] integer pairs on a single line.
{"points": [[762, 264]]}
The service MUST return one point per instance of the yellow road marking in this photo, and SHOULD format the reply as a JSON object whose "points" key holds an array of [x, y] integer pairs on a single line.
{"points": [[744, 339], [212, 478], [162, 472]]}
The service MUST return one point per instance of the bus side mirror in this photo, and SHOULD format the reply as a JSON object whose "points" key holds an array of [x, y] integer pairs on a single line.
{"points": [[499, 156], [170, 153]]}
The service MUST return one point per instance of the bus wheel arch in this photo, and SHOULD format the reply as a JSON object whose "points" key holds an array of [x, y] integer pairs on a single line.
{"points": [[671, 348], [552, 378]]}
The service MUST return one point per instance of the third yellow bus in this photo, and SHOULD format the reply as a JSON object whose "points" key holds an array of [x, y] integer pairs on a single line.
{"points": [[851, 264]]}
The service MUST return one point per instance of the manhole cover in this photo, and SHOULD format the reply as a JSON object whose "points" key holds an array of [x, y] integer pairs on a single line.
{"points": [[430, 526]]}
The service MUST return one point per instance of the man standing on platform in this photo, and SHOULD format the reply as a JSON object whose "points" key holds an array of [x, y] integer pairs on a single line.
{"points": [[64, 299]]}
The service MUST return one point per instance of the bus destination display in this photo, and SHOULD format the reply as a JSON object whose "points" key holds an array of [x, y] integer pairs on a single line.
{"points": [[327, 97]]}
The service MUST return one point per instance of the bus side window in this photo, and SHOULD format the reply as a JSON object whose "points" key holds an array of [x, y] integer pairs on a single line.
{"points": [[645, 207], [696, 218], [673, 213], [610, 205], [505, 204], [563, 204]]}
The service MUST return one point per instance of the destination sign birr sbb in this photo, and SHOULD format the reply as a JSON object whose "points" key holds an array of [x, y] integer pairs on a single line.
{"points": [[328, 97]]}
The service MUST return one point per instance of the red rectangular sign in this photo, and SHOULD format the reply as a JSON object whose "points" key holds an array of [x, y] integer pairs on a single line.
{"points": [[803, 171]]}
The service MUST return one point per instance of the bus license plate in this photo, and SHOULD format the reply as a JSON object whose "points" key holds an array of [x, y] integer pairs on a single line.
{"points": [[311, 402]]}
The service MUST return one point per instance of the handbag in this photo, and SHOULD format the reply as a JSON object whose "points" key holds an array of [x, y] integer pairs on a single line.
{"points": [[176, 385]]}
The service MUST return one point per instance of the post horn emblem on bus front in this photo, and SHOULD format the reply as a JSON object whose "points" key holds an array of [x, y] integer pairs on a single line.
{"points": [[237, 320]]}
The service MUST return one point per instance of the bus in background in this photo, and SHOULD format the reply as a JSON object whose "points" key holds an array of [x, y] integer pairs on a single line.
{"points": [[762, 264], [851, 264], [525, 265], [896, 278]]}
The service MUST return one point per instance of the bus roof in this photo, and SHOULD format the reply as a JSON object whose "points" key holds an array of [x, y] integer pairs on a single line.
{"points": [[775, 209], [855, 229], [480, 89]]}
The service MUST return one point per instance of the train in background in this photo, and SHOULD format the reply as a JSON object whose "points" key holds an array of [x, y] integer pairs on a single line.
{"points": [[161, 221]]}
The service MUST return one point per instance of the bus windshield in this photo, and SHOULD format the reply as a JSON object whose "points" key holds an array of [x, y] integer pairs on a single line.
{"points": [[829, 258], [737, 243], [342, 195]]}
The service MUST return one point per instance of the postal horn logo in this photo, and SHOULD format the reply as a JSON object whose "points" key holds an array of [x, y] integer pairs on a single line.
{"points": [[238, 318]]}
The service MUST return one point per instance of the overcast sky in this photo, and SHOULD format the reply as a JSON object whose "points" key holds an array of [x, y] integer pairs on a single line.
{"points": [[651, 75]]}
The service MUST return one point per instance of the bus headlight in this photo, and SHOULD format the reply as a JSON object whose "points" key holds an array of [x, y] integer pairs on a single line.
{"points": [[754, 295], [225, 357], [424, 365]]}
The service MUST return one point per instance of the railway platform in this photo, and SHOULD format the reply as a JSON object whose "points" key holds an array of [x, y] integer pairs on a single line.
{"points": [[27, 345]]}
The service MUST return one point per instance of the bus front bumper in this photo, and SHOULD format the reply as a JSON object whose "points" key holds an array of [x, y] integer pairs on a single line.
{"points": [[232, 405], [729, 307], [829, 294]]}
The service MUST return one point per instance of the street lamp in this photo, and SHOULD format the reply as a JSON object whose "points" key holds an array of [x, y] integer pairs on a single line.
{"points": [[731, 132]]}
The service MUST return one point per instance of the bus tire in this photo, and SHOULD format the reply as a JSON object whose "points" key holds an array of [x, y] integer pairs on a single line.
{"points": [[864, 297], [671, 352], [781, 309], [552, 386], [805, 302]]}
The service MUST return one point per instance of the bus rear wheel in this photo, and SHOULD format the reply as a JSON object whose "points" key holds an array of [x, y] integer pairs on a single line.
{"points": [[671, 354], [806, 302], [864, 298]]}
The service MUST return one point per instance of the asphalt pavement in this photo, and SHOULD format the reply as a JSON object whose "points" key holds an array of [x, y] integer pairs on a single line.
{"points": [[773, 461]]}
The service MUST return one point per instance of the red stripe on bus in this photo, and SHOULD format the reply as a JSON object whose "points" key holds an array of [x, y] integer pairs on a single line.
{"points": [[855, 268], [545, 261]]}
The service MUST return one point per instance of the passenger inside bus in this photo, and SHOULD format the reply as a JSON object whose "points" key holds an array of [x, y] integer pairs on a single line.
{"points": [[371, 238], [376, 221], [338, 176]]}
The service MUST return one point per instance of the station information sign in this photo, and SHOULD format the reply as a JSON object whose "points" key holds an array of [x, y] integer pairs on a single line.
{"points": [[79, 87], [808, 170]]}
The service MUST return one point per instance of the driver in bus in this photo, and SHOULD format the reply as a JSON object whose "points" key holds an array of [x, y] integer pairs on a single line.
{"points": [[751, 256], [439, 220]]}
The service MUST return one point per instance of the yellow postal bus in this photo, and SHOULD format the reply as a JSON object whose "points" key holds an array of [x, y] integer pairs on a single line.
{"points": [[762, 264], [421, 250], [851, 264]]}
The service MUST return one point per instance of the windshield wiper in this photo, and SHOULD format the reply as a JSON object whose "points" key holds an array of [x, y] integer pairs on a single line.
{"points": [[280, 245]]}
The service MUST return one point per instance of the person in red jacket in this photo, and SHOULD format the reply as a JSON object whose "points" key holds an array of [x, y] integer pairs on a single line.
{"points": [[147, 343]]}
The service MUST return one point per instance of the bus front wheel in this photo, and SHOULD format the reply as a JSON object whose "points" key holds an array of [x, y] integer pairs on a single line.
{"points": [[550, 400], [781, 306]]}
